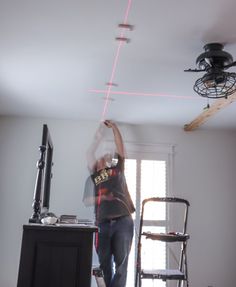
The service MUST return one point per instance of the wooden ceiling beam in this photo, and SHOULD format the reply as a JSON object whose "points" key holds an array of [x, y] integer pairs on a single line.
{"points": [[212, 110]]}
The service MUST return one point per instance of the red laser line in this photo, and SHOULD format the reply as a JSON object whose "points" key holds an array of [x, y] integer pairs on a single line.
{"points": [[108, 91], [127, 12], [144, 94]]}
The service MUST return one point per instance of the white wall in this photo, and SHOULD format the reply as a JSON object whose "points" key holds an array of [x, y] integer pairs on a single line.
{"points": [[204, 173]]}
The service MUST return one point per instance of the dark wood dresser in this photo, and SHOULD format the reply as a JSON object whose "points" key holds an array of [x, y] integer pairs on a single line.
{"points": [[56, 256]]}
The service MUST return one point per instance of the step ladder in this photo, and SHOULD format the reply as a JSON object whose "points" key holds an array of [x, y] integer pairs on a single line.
{"points": [[181, 273], [98, 274]]}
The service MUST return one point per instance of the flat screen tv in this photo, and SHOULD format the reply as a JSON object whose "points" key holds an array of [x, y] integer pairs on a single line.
{"points": [[43, 179]]}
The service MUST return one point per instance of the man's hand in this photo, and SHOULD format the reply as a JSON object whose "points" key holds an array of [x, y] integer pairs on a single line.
{"points": [[117, 137], [109, 124]]}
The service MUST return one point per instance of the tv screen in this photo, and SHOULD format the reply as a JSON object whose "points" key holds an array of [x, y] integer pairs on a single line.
{"points": [[43, 179]]}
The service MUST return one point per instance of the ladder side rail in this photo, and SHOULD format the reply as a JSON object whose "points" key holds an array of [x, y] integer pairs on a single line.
{"points": [[183, 245], [185, 219], [183, 249], [140, 243], [138, 264], [185, 267]]}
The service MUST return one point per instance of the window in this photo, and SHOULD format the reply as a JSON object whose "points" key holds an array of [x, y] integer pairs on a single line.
{"points": [[148, 175]]}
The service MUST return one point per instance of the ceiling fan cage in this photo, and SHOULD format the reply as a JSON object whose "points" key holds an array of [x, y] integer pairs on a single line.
{"points": [[215, 85]]}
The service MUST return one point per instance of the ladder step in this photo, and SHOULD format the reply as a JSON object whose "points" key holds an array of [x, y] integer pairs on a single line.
{"points": [[167, 274]]}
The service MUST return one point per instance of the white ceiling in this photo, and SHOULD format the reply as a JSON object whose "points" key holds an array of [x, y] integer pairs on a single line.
{"points": [[56, 57]]}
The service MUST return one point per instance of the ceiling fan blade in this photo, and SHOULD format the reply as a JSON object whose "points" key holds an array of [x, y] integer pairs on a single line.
{"points": [[206, 114], [230, 65], [194, 70]]}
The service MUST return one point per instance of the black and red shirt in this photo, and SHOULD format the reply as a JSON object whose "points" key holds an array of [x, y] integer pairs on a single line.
{"points": [[110, 183]]}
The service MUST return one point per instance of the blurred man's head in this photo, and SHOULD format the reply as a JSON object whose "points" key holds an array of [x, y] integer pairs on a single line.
{"points": [[104, 161]]}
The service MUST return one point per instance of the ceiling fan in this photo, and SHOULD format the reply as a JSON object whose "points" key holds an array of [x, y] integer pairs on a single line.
{"points": [[215, 83]]}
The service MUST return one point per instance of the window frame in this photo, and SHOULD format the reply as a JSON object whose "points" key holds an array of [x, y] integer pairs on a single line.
{"points": [[159, 152]]}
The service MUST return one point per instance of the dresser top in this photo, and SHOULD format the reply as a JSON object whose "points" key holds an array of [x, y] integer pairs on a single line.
{"points": [[59, 227]]}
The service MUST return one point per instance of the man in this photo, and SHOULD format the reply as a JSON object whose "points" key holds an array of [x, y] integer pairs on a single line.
{"points": [[113, 209]]}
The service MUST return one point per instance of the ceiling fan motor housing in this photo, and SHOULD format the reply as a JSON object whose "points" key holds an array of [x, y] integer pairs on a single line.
{"points": [[213, 57]]}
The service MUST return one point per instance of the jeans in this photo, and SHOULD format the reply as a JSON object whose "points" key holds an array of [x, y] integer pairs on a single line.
{"points": [[114, 244]]}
